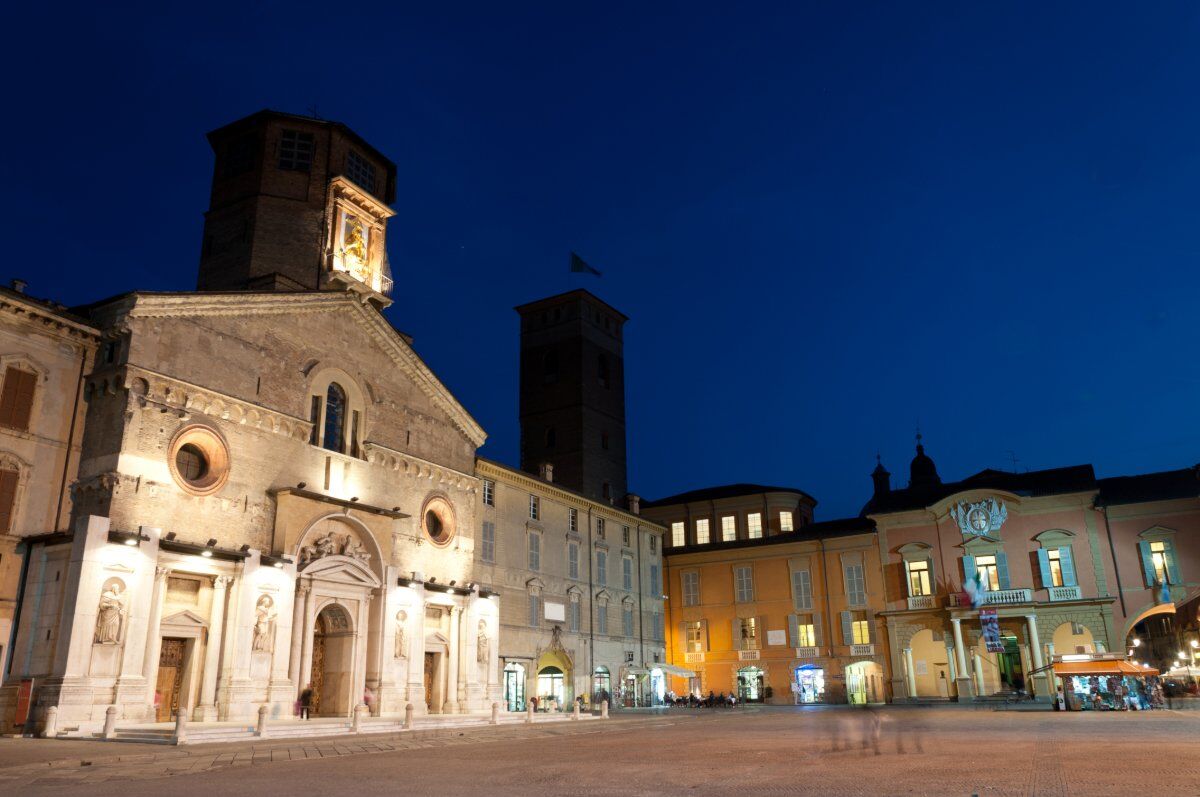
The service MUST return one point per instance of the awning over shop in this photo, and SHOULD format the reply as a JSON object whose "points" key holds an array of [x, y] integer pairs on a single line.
{"points": [[671, 669], [1101, 667]]}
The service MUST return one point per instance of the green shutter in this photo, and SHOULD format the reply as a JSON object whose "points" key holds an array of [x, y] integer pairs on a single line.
{"points": [[1044, 567], [794, 630], [970, 572], [1002, 570], [1147, 563], [1172, 563], [1068, 566], [847, 628]]}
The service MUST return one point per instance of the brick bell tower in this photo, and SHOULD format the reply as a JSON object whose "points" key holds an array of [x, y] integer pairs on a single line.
{"points": [[297, 204], [573, 393]]}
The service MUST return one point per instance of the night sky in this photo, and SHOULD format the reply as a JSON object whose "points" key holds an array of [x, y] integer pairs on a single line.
{"points": [[827, 224]]}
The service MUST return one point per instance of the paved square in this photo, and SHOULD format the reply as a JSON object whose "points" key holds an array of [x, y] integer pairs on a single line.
{"points": [[825, 751]]}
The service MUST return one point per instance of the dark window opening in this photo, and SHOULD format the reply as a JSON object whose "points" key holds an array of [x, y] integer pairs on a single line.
{"points": [[335, 418], [602, 370], [314, 415], [191, 463], [295, 151], [360, 170], [550, 368], [239, 156]]}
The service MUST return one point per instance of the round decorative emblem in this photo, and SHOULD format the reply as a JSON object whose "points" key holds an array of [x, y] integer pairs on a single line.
{"points": [[979, 520]]}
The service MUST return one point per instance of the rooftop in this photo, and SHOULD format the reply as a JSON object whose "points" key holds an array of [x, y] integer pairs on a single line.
{"points": [[725, 491]]}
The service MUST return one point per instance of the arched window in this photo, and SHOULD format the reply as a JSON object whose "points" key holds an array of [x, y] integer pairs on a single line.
{"points": [[335, 418], [550, 367], [602, 370]]}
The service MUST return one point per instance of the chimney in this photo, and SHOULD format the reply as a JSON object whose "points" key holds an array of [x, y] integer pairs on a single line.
{"points": [[547, 471], [18, 285], [635, 503]]}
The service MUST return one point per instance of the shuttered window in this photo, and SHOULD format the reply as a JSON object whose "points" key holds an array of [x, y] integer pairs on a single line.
{"points": [[8, 499], [16, 399], [572, 560], [487, 548], [743, 584], [856, 585], [801, 589], [691, 588]]}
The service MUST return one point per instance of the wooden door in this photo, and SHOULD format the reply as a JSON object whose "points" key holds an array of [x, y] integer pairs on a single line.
{"points": [[430, 660], [170, 679], [317, 679]]}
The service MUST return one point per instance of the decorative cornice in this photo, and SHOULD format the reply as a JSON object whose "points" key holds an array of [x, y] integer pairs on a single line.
{"points": [[379, 454], [35, 312]]}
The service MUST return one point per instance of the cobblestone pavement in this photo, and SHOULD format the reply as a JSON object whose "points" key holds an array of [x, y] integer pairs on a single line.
{"points": [[893, 751]]}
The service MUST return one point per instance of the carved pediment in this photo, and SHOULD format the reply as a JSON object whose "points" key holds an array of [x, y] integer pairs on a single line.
{"points": [[185, 619], [343, 570]]}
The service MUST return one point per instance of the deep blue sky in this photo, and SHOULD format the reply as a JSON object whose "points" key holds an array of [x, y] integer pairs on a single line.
{"points": [[826, 223]]}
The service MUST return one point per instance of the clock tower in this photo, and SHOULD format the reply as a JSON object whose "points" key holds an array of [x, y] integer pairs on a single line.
{"points": [[297, 204]]}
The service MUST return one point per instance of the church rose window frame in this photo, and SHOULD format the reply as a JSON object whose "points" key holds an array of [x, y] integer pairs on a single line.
{"points": [[206, 442], [438, 521]]}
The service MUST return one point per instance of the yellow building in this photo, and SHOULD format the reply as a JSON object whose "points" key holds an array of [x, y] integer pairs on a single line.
{"points": [[781, 610]]}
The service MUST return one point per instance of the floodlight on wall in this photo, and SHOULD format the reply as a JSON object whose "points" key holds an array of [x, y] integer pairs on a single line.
{"points": [[212, 543], [170, 535], [301, 485], [354, 500], [245, 548]]}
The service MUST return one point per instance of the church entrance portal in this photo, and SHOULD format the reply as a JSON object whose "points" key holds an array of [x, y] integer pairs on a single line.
{"points": [[332, 663], [170, 679]]}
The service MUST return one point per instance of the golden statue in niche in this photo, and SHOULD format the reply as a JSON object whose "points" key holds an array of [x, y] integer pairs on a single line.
{"points": [[354, 240]]}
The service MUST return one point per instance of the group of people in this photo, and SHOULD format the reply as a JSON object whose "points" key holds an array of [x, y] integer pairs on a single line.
{"points": [[703, 701]]}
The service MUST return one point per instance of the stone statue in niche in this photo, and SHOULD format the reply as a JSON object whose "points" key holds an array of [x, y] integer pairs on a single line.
{"points": [[110, 615], [264, 625], [401, 621], [483, 651]]}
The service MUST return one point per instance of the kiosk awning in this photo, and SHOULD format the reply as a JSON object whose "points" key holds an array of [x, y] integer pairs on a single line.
{"points": [[671, 669], [1101, 667]]}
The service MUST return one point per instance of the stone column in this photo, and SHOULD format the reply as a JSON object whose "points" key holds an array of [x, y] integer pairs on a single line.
{"points": [[962, 681], [306, 650], [375, 647], [299, 620], [153, 632], [910, 674], [1026, 665], [979, 685], [451, 704], [1038, 684], [207, 710], [466, 653]]}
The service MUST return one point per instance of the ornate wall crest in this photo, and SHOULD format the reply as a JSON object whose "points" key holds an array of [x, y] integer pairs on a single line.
{"points": [[983, 518]]}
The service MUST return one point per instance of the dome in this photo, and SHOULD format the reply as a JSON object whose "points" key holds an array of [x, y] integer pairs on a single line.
{"points": [[921, 471]]}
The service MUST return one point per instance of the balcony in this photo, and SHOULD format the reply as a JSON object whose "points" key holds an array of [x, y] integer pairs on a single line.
{"points": [[693, 658], [922, 602], [862, 650], [1002, 597], [1065, 594], [747, 655], [810, 652]]}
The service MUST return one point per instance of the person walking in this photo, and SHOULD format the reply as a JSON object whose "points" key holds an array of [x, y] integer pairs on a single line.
{"points": [[306, 697]]}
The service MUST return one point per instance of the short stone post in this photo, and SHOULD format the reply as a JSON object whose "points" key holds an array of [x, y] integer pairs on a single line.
{"points": [[261, 729], [180, 727], [51, 723], [495, 714], [408, 717], [603, 709], [575, 712], [528, 713], [110, 722], [356, 721]]}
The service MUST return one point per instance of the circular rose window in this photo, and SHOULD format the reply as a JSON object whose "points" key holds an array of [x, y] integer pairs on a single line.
{"points": [[437, 520], [199, 460]]}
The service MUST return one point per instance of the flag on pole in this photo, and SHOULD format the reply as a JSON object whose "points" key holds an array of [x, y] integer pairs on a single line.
{"points": [[580, 267]]}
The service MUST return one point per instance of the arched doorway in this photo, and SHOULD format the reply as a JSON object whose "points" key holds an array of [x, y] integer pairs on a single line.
{"points": [[550, 687], [750, 684], [514, 686], [864, 683], [931, 665], [333, 663]]}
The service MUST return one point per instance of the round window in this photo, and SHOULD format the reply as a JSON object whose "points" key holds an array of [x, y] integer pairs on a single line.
{"points": [[199, 460], [438, 520]]}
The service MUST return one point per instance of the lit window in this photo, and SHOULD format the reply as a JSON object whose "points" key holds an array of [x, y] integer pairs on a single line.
{"points": [[534, 507], [572, 560], [487, 547], [360, 170], [918, 578], [785, 521], [535, 552], [694, 636], [743, 580], [489, 492], [861, 629], [691, 588], [728, 528], [1158, 555], [754, 525], [678, 535], [702, 531], [989, 573], [806, 635], [749, 634], [1056, 574], [295, 151]]}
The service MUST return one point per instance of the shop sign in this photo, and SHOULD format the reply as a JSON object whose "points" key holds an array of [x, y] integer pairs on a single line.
{"points": [[989, 621], [24, 700]]}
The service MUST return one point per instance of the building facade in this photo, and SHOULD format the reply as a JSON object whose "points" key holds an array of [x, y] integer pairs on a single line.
{"points": [[580, 584]]}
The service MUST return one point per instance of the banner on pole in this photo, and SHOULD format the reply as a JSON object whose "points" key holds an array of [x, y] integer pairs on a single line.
{"points": [[990, 623]]}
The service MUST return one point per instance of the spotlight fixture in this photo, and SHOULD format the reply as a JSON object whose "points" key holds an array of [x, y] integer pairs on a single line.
{"points": [[170, 535], [245, 548], [395, 509], [354, 500], [432, 580], [279, 563], [301, 485], [131, 540], [453, 582], [212, 543]]}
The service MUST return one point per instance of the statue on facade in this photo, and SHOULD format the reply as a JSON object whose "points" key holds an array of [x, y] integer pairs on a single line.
{"points": [[401, 621], [264, 625], [483, 652], [110, 615], [355, 549]]}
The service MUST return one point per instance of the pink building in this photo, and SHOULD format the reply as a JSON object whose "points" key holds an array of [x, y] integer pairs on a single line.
{"points": [[1069, 563]]}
